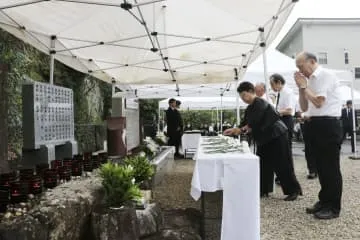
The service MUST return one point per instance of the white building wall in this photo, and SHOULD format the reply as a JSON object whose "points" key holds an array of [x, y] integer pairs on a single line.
{"points": [[294, 46], [335, 39]]}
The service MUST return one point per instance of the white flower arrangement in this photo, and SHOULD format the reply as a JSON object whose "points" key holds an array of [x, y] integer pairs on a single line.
{"points": [[152, 145]]}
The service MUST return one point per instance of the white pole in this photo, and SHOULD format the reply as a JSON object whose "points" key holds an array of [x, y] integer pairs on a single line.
{"points": [[113, 88], [237, 110], [52, 63], [266, 75], [353, 113], [163, 121], [221, 116], [217, 120], [52, 59], [159, 116]]}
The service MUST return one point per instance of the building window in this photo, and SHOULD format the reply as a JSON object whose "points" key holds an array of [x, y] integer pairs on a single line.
{"points": [[346, 56], [357, 72], [322, 56]]}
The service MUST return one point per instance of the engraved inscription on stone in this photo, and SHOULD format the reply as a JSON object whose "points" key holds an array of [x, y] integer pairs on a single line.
{"points": [[53, 114]]}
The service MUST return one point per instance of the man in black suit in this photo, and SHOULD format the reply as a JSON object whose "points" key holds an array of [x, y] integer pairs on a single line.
{"points": [[174, 126], [347, 121]]}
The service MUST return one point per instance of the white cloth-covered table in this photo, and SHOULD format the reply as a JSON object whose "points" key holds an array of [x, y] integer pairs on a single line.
{"points": [[237, 174], [190, 141]]}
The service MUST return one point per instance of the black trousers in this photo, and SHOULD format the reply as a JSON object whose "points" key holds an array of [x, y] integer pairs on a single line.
{"points": [[349, 130], [310, 160], [289, 122], [325, 137], [275, 157], [175, 140]]}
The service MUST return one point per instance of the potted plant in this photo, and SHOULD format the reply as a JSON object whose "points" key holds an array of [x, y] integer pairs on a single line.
{"points": [[160, 141], [119, 185], [143, 170], [116, 217], [143, 148]]}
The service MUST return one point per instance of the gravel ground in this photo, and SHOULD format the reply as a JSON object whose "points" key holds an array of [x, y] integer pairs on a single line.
{"points": [[282, 220], [174, 191]]}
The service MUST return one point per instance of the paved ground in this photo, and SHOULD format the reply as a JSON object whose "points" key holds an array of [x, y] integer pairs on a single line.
{"points": [[280, 219]]}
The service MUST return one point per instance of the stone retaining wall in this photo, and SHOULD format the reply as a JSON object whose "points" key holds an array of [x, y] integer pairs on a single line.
{"points": [[64, 213]]}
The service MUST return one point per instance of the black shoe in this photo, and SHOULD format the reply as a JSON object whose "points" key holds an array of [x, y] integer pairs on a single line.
{"points": [[293, 196], [326, 214], [312, 176], [264, 195], [316, 208], [277, 181], [179, 156]]}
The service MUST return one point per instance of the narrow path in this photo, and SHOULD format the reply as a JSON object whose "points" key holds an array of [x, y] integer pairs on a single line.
{"points": [[174, 190], [282, 220]]}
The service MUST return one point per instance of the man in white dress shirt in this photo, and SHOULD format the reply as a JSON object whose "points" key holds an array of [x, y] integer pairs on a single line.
{"points": [[285, 106], [260, 91], [319, 95], [285, 102]]}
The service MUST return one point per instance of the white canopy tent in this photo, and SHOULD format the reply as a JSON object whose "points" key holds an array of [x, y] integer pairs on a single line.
{"points": [[184, 90], [204, 103], [147, 42]]}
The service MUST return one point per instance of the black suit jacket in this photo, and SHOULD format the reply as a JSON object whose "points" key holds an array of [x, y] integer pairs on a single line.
{"points": [[173, 120], [347, 119], [264, 121]]}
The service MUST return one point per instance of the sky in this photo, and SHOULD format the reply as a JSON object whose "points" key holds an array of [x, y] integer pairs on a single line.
{"points": [[320, 9], [307, 9]]}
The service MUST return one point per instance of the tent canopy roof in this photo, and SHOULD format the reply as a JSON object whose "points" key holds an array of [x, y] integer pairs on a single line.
{"points": [[278, 63], [149, 42]]}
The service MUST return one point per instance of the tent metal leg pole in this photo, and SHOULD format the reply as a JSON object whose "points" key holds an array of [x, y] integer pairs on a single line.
{"points": [[52, 63], [355, 156], [237, 110], [163, 121], [217, 120], [52, 58], [266, 74], [159, 116], [221, 116]]}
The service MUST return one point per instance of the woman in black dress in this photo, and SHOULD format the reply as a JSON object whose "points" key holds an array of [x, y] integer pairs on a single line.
{"points": [[271, 137]]}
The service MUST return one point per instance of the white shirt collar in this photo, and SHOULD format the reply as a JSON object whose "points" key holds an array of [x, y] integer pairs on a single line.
{"points": [[316, 73]]}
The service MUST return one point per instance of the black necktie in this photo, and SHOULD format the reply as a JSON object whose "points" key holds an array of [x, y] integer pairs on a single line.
{"points": [[277, 101]]}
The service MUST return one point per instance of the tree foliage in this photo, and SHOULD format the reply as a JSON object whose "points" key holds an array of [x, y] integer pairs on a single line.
{"points": [[25, 60], [149, 109], [119, 184]]}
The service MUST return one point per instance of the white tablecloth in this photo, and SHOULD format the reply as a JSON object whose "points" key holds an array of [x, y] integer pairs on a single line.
{"points": [[190, 140], [237, 174]]}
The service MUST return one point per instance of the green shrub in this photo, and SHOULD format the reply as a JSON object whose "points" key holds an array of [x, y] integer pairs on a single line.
{"points": [[143, 169], [119, 184], [159, 141], [147, 151]]}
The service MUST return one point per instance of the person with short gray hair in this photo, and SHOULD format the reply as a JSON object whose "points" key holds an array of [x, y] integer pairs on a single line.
{"points": [[319, 96]]}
